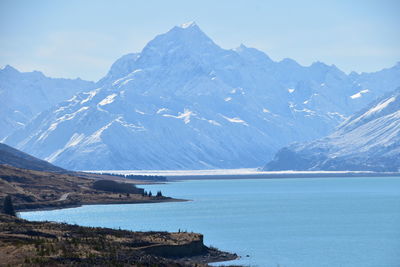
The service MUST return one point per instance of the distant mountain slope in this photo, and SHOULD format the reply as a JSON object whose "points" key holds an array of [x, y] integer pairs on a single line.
{"points": [[369, 140], [183, 102], [16, 158], [25, 94]]}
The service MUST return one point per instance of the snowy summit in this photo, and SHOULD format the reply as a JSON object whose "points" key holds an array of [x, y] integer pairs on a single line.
{"points": [[183, 102], [188, 25]]}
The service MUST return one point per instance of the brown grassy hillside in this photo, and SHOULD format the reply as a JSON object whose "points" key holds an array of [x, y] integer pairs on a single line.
{"points": [[54, 244], [36, 189]]}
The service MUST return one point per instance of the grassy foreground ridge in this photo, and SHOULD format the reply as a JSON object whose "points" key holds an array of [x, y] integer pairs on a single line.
{"points": [[58, 244]]}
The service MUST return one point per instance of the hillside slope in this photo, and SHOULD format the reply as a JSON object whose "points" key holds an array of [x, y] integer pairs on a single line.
{"points": [[369, 140], [23, 95], [19, 159]]}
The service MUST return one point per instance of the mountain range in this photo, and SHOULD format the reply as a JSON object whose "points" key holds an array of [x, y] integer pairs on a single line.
{"points": [[369, 141], [183, 102], [25, 95]]}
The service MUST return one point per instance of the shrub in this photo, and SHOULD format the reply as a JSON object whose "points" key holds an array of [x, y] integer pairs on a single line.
{"points": [[8, 207], [115, 187]]}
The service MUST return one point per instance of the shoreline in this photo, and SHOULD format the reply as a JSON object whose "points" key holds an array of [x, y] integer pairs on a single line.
{"points": [[77, 205], [250, 173], [249, 176]]}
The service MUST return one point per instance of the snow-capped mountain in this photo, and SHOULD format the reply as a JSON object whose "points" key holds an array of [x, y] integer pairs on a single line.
{"points": [[369, 140], [23, 95], [183, 102]]}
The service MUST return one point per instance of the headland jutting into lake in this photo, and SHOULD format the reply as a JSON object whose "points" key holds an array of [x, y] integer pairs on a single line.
{"points": [[44, 243]]}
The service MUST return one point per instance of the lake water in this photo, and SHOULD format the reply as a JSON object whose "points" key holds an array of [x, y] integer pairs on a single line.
{"points": [[276, 222]]}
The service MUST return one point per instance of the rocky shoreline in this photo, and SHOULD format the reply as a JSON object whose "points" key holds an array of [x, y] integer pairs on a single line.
{"points": [[40, 206]]}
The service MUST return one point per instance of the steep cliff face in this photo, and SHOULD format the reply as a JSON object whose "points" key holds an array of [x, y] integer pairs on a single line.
{"points": [[369, 140], [183, 248], [183, 102]]}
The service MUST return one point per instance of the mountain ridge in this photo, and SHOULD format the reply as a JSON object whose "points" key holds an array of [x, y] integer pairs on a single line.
{"points": [[186, 103], [17, 109], [367, 141]]}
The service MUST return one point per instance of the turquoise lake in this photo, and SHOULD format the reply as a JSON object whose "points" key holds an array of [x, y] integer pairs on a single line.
{"points": [[276, 222]]}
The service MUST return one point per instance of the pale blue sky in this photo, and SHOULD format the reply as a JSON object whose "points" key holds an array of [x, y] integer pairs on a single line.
{"points": [[75, 38]]}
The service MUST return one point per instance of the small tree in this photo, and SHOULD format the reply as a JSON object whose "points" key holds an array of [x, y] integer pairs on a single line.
{"points": [[150, 194], [8, 207], [159, 194]]}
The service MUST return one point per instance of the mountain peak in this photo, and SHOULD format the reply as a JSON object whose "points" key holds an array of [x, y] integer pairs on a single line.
{"points": [[9, 68], [241, 47], [187, 37], [186, 31], [189, 28]]}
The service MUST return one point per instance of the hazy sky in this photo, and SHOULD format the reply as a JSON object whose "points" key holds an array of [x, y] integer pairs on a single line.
{"points": [[75, 38]]}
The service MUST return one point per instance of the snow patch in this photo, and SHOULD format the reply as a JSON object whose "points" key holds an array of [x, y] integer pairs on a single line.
{"points": [[236, 90], [140, 112], [108, 100], [161, 110], [72, 99], [235, 120], [136, 71], [359, 94], [118, 81], [126, 81], [131, 126], [91, 95], [188, 25], [306, 110], [380, 106], [290, 90], [73, 141], [96, 136], [337, 114], [54, 125], [185, 115]]}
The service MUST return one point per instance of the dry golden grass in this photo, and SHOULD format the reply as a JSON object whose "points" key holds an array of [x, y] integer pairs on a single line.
{"points": [[42, 190], [52, 244]]}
